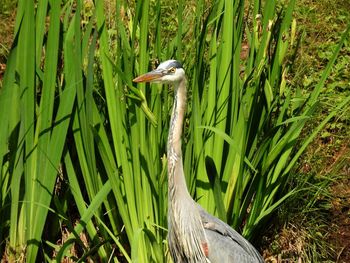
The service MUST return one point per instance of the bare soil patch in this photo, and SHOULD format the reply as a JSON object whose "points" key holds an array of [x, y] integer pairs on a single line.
{"points": [[7, 23], [341, 217]]}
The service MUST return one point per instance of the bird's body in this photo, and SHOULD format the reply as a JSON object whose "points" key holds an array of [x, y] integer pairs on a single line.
{"points": [[194, 235]]}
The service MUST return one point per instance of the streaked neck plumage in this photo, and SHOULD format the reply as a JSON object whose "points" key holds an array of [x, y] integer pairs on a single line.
{"points": [[175, 169], [186, 234]]}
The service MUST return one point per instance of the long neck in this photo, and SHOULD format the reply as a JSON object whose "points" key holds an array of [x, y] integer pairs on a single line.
{"points": [[177, 181], [186, 233]]}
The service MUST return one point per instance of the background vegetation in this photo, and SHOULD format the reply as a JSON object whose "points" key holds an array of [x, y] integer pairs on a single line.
{"points": [[82, 150], [314, 225]]}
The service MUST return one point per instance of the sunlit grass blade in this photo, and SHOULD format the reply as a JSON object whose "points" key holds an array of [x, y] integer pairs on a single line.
{"points": [[86, 216]]}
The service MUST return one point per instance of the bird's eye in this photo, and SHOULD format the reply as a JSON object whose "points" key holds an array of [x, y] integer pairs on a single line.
{"points": [[172, 70]]}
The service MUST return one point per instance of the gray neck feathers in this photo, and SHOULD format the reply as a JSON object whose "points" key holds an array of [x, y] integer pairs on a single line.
{"points": [[175, 168], [186, 233]]}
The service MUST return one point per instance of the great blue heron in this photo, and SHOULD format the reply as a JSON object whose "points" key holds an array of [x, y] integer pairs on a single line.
{"points": [[194, 235]]}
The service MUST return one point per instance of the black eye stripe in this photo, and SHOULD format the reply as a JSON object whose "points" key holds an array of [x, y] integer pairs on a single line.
{"points": [[175, 64]]}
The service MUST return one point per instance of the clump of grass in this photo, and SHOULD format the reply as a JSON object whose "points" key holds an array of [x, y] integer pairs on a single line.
{"points": [[317, 222], [311, 223], [301, 231]]}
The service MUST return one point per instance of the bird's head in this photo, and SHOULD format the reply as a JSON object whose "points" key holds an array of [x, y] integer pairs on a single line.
{"points": [[169, 71]]}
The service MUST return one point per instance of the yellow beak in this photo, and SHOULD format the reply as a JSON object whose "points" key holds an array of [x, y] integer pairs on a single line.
{"points": [[149, 77]]}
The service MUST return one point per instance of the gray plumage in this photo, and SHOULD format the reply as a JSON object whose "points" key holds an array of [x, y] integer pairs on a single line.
{"points": [[194, 235]]}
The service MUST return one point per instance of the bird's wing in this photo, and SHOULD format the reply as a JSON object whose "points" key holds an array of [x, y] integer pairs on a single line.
{"points": [[224, 241]]}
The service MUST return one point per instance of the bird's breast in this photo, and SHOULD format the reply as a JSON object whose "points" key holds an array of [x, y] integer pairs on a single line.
{"points": [[187, 241]]}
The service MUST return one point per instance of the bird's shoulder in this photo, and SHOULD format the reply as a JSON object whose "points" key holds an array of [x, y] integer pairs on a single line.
{"points": [[219, 230], [210, 222]]}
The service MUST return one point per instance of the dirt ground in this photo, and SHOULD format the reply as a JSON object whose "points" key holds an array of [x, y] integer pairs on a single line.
{"points": [[341, 218], [339, 237], [7, 22]]}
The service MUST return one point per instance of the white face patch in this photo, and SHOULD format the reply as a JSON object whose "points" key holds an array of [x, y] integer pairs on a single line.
{"points": [[173, 72], [178, 75]]}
